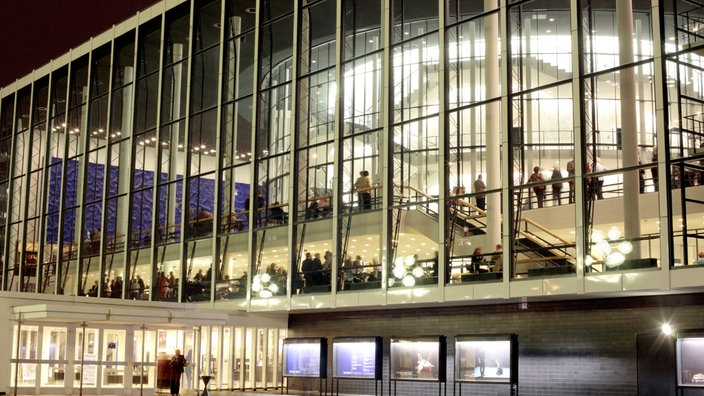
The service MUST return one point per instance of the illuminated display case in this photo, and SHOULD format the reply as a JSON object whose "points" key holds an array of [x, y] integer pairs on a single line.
{"points": [[690, 359], [357, 357], [305, 357], [418, 359], [486, 358]]}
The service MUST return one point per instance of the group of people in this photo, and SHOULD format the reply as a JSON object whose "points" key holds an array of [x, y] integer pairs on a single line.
{"points": [[201, 221], [479, 261], [317, 271], [357, 271], [319, 208], [168, 285], [113, 288], [314, 271], [594, 187]]}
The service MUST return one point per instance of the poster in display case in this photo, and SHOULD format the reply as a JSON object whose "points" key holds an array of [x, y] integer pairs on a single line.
{"points": [[418, 359], [305, 357], [485, 358], [690, 359], [357, 357]]}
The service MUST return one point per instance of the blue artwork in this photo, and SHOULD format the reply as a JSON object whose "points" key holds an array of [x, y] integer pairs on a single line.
{"points": [[201, 196]]}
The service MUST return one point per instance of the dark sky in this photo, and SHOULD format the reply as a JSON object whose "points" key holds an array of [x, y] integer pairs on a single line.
{"points": [[32, 32]]}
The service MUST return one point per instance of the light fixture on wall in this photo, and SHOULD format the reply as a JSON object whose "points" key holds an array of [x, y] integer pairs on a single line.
{"points": [[608, 248], [263, 286], [406, 270]]}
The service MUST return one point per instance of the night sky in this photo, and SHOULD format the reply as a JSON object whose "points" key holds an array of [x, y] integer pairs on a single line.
{"points": [[32, 32]]}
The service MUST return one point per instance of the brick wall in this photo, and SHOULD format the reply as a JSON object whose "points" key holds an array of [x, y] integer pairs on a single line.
{"points": [[582, 347]]}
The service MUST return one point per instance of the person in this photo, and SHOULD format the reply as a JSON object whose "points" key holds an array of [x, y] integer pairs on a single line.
{"points": [[317, 270], [599, 183], [539, 190], [363, 185], [358, 269], [654, 169], [188, 370], [498, 259], [570, 174], [134, 289], [556, 186], [178, 364], [203, 223], [93, 292], [271, 270], [473, 267], [277, 214], [327, 268], [324, 208], [163, 286], [246, 207], [308, 271], [347, 273], [95, 240], [479, 361], [479, 188], [435, 267], [116, 288], [312, 210], [200, 276], [261, 208], [142, 286], [700, 259], [172, 285]]}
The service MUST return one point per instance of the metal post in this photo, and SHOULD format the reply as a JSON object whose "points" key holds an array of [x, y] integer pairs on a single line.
{"points": [[17, 352], [141, 374], [83, 353]]}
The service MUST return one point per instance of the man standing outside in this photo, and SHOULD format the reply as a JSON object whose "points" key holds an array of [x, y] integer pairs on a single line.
{"points": [[479, 188], [178, 363]]}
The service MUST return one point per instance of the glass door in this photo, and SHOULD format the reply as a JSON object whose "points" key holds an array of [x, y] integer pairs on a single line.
{"points": [[113, 358], [27, 370], [226, 380], [249, 358], [86, 358], [143, 372], [53, 356], [188, 349]]}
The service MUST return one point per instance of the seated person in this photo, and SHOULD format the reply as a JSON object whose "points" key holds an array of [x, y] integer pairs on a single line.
{"points": [[234, 223], [324, 208], [203, 222], [477, 259], [497, 258], [93, 292], [700, 258], [277, 214], [312, 210]]}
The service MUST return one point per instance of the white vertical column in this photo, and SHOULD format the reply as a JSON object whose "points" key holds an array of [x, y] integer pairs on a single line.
{"points": [[493, 124], [640, 85], [128, 342], [124, 153], [629, 133], [531, 65], [578, 136], [174, 153], [661, 119], [472, 69]]}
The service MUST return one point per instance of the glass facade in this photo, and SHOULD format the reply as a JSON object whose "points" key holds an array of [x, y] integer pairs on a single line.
{"points": [[284, 156], [57, 356]]}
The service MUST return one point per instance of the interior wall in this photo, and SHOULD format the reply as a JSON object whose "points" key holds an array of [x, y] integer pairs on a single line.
{"points": [[573, 347]]}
